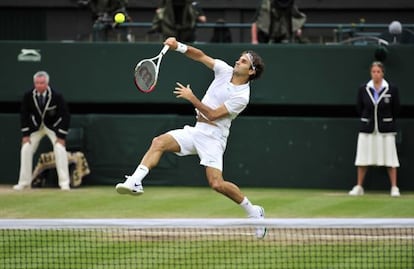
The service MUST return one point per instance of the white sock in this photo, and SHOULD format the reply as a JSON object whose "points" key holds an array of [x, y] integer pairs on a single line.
{"points": [[140, 173], [248, 207]]}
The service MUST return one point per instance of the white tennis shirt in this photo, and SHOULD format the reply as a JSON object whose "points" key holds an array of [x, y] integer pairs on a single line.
{"points": [[222, 91]]}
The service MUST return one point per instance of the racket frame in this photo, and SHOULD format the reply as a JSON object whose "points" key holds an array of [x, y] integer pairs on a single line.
{"points": [[157, 68]]}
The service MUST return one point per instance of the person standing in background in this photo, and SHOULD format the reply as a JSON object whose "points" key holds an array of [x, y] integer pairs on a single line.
{"points": [[378, 104], [103, 12], [43, 112], [277, 21], [178, 18]]}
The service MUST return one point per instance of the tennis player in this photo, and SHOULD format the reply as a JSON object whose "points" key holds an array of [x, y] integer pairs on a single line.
{"points": [[226, 97]]}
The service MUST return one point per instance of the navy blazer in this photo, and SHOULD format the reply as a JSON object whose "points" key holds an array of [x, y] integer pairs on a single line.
{"points": [[54, 115], [378, 116]]}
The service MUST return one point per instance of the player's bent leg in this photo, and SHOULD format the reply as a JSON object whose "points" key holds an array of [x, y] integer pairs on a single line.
{"points": [[159, 145], [216, 182]]}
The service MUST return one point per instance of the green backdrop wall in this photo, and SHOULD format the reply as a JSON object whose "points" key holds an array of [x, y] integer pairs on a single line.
{"points": [[263, 150], [295, 74]]}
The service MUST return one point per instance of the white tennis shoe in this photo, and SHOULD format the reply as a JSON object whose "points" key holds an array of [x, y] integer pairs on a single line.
{"points": [[260, 214], [357, 191], [395, 192], [19, 187], [65, 188], [130, 186]]}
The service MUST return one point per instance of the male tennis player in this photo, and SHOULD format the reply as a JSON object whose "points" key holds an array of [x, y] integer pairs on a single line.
{"points": [[226, 97]]}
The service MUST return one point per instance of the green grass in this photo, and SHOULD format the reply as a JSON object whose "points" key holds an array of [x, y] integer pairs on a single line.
{"points": [[99, 249], [134, 249], [201, 202]]}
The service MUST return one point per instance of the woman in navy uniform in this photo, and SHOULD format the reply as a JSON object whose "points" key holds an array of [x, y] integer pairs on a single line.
{"points": [[378, 105]]}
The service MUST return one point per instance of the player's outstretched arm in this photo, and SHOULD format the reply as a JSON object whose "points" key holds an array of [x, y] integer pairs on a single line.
{"points": [[190, 51], [207, 112]]}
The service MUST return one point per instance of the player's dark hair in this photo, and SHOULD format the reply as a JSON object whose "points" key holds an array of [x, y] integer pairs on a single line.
{"points": [[258, 64]]}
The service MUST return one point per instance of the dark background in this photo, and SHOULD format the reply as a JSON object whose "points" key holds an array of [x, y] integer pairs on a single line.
{"points": [[65, 20]]}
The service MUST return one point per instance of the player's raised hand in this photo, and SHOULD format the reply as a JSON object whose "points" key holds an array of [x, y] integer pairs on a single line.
{"points": [[171, 42]]}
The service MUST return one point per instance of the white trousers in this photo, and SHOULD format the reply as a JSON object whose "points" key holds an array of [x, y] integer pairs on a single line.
{"points": [[26, 158]]}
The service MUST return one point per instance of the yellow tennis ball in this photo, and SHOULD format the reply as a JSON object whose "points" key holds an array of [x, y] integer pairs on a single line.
{"points": [[119, 17]]}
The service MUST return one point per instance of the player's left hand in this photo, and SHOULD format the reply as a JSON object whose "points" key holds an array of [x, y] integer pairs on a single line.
{"points": [[182, 91]]}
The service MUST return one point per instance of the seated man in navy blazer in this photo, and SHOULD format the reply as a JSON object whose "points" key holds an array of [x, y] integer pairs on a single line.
{"points": [[43, 112]]}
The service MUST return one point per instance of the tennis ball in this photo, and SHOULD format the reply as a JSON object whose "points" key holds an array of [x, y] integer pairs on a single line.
{"points": [[119, 17]]}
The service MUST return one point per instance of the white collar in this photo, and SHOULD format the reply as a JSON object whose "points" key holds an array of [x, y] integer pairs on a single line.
{"points": [[384, 84]]}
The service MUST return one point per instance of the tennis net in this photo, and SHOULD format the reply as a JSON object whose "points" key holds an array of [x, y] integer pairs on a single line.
{"points": [[207, 243]]}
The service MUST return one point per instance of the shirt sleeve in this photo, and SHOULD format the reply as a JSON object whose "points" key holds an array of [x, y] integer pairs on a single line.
{"points": [[236, 105], [221, 67]]}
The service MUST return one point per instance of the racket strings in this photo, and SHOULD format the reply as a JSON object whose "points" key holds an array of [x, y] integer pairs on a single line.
{"points": [[145, 76]]}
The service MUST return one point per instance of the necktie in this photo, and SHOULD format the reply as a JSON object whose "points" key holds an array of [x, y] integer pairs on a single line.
{"points": [[41, 100]]}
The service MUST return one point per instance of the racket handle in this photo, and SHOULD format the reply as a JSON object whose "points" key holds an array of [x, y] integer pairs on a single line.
{"points": [[165, 49]]}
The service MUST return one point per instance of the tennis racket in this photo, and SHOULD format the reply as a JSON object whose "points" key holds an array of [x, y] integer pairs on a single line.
{"points": [[146, 72]]}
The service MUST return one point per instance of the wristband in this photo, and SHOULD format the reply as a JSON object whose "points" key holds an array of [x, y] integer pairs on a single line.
{"points": [[181, 47]]}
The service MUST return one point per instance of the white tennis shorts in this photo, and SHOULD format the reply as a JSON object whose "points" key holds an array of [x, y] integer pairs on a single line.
{"points": [[376, 149], [204, 140]]}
